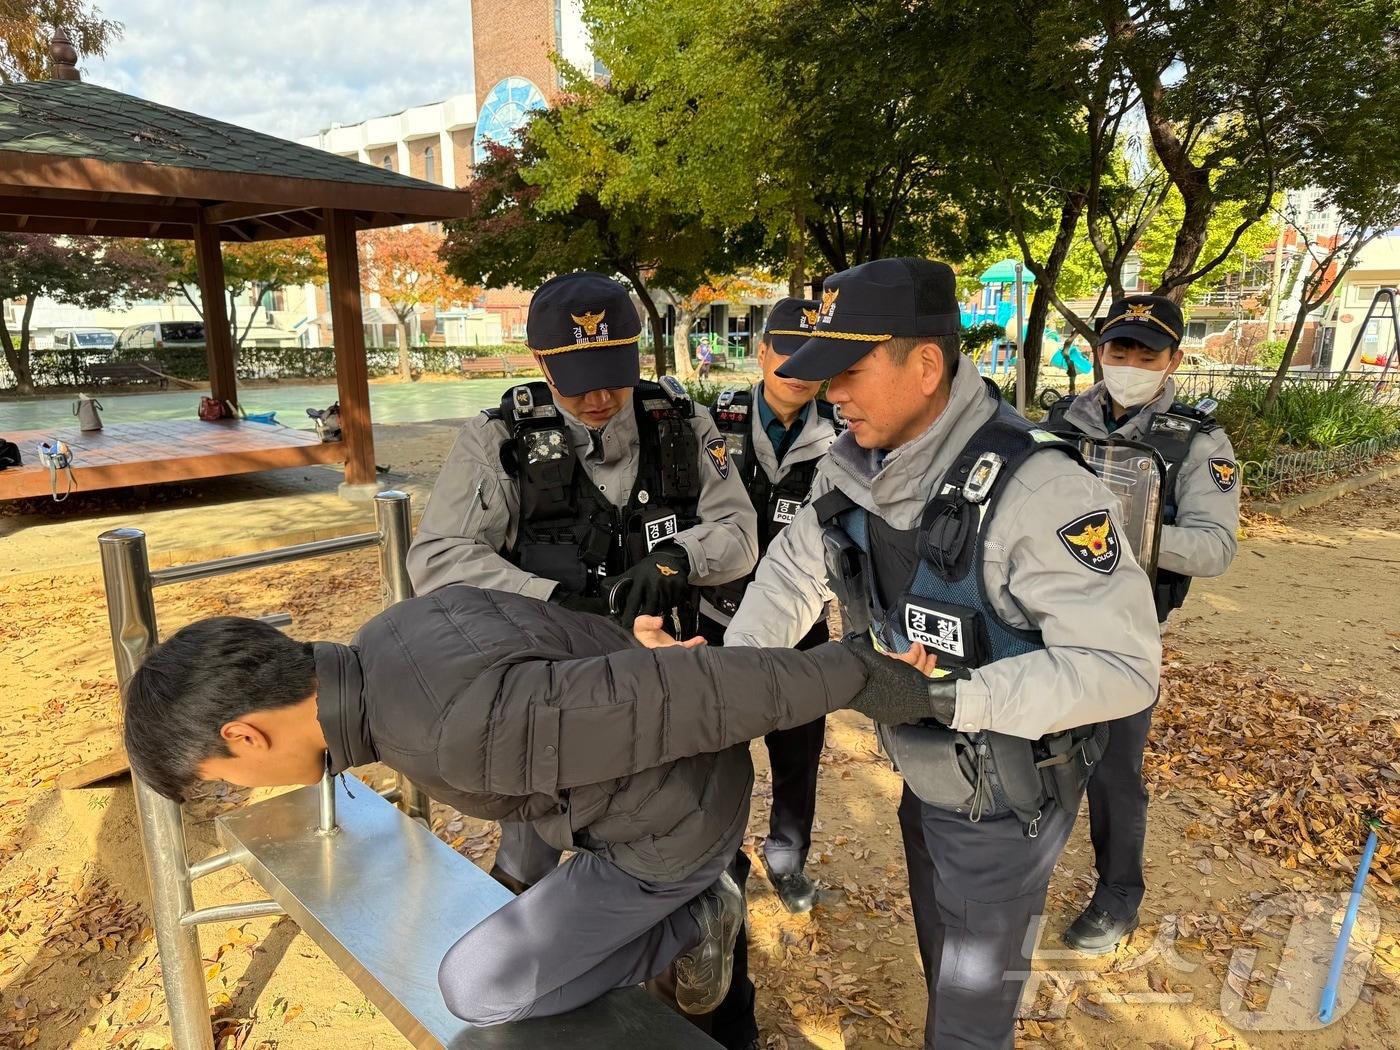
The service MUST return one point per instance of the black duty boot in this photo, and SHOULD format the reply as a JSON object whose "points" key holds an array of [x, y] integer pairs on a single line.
{"points": [[797, 892], [510, 882], [1096, 932], [703, 973]]}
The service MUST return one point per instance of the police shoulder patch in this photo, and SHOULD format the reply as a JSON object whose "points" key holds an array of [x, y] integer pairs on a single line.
{"points": [[718, 453], [1225, 473], [1092, 541]]}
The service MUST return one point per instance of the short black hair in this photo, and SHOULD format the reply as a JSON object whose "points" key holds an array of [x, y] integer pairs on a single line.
{"points": [[202, 677], [901, 346]]}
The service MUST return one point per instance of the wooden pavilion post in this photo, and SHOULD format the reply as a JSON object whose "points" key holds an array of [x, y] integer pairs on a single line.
{"points": [[218, 339], [351, 367]]}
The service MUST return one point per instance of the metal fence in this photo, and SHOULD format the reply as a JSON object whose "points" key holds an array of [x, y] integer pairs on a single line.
{"points": [[1192, 385], [1288, 471]]}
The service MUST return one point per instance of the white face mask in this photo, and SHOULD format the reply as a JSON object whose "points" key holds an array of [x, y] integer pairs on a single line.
{"points": [[1130, 386]]}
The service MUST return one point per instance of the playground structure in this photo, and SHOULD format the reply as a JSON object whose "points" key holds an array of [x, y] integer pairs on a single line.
{"points": [[371, 885]]}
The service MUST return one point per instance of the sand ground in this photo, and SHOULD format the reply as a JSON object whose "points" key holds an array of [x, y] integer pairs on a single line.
{"points": [[1278, 728]]}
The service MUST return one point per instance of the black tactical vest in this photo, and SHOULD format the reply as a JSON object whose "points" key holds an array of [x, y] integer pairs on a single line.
{"points": [[570, 532], [1170, 433], [776, 504]]}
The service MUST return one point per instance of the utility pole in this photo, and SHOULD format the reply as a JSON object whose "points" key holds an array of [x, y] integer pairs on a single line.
{"points": [[1277, 281]]}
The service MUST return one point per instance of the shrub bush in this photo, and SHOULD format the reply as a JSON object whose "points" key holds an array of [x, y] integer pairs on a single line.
{"points": [[977, 336], [1269, 353], [1308, 415], [315, 362]]}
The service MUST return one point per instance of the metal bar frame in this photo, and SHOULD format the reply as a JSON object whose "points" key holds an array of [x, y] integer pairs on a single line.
{"points": [[130, 584]]}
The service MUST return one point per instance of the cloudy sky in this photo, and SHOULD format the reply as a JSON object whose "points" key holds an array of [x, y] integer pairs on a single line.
{"points": [[284, 67]]}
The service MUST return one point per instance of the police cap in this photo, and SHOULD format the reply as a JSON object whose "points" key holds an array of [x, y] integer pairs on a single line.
{"points": [[870, 303], [1152, 320], [790, 323], [585, 329]]}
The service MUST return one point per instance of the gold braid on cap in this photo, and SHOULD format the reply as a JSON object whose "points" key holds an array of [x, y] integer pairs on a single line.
{"points": [[596, 344], [1132, 314], [863, 337]]}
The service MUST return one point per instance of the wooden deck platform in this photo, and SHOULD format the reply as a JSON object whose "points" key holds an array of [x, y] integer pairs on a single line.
{"points": [[125, 454]]}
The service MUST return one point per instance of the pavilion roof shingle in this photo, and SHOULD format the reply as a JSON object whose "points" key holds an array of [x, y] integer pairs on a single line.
{"points": [[77, 119]]}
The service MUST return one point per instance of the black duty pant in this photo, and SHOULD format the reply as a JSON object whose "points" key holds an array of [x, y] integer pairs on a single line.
{"points": [[1118, 816], [978, 891]]}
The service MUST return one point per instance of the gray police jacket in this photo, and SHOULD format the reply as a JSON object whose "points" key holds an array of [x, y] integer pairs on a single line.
{"points": [[472, 513], [1102, 650], [1203, 541], [506, 707], [813, 441]]}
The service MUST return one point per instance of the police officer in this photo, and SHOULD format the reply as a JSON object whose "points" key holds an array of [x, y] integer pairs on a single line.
{"points": [[777, 433], [596, 490], [979, 548], [1139, 349]]}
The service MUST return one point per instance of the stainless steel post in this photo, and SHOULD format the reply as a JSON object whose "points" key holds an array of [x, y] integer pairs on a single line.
{"points": [[326, 824], [393, 515], [132, 613]]}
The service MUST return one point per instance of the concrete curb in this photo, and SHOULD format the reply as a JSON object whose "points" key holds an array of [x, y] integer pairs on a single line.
{"points": [[1307, 500]]}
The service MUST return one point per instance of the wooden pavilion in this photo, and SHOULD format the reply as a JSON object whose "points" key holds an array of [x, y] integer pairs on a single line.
{"points": [[76, 158]]}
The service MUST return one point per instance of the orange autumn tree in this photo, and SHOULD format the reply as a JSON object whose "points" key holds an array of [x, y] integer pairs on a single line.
{"points": [[402, 265], [690, 308], [254, 267]]}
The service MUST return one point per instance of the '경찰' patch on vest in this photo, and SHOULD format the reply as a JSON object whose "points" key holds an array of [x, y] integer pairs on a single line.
{"points": [[1092, 541], [785, 510], [1225, 473], [935, 629], [718, 452], [660, 529]]}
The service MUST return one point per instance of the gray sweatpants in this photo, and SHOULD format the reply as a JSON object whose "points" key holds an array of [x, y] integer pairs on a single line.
{"points": [[585, 928]]}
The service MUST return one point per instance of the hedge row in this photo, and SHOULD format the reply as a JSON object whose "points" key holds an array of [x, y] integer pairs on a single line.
{"points": [[65, 368], [300, 362]]}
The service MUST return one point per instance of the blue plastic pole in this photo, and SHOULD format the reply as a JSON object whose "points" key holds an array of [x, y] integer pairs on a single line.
{"points": [[1339, 954]]}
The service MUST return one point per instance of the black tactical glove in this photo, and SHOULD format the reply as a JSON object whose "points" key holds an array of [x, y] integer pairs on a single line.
{"points": [[896, 693], [598, 605], [653, 587]]}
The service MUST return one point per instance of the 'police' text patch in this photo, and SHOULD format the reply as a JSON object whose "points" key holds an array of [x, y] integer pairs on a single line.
{"points": [[718, 452], [937, 630], [786, 510], [1224, 472], [1092, 541]]}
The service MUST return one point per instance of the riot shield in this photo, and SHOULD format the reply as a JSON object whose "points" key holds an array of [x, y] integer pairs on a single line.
{"points": [[1137, 475]]}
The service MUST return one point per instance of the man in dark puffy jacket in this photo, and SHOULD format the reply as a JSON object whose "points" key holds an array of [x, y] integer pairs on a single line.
{"points": [[508, 707]]}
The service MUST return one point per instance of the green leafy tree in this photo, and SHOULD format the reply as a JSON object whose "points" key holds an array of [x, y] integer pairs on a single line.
{"points": [[1241, 100], [745, 111], [26, 27], [516, 234], [92, 272]]}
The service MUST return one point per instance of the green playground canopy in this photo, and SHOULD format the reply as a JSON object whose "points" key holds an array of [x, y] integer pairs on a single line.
{"points": [[1004, 272]]}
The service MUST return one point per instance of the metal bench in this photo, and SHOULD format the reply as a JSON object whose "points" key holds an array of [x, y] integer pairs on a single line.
{"points": [[126, 372], [370, 884]]}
